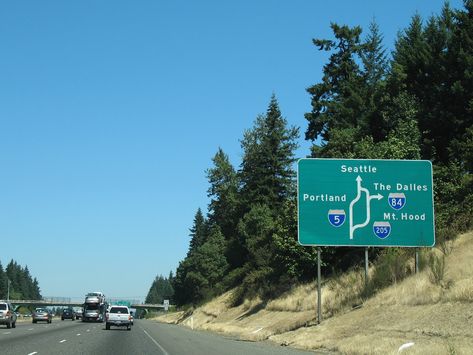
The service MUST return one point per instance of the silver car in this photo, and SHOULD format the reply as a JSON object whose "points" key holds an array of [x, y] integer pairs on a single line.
{"points": [[42, 315], [7, 315]]}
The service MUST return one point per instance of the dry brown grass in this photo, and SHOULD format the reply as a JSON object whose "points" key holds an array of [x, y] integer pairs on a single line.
{"points": [[338, 294], [301, 298], [437, 318]]}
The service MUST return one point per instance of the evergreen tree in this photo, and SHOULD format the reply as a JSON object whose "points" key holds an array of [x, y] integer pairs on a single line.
{"points": [[198, 236], [375, 64], [211, 261], [160, 290], [223, 206], [3, 283], [266, 172], [294, 260], [197, 232], [183, 295], [36, 290], [198, 276], [257, 228], [337, 100], [267, 181], [21, 284], [460, 100]]}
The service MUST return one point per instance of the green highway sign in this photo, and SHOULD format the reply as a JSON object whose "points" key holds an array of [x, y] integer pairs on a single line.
{"points": [[122, 303], [357, 202]]}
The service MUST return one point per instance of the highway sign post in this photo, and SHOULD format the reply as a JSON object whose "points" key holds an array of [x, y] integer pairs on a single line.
{"points": [[357, 202]]}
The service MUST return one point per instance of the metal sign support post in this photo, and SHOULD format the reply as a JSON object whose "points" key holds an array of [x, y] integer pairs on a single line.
{"points": [[319, 289], [366, 267], [417, 260]]}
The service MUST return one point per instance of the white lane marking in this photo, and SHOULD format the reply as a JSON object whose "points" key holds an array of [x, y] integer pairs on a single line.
{"points": [[88, 330], [155, 342], [35, 352], [30, 328], [7, 333], [63, 340], [78, 334]]}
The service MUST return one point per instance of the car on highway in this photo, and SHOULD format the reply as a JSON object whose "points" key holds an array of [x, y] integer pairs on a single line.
{"points": [[68, 313], [78, 313], [7, 315], [42, 315], [118, 316]]}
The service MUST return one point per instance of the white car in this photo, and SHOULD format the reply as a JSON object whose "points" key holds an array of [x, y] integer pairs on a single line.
{"points": [[118, 316], [7, 315]]}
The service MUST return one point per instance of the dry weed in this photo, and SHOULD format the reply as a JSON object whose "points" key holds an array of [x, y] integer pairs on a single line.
{"points": [[413, 291], [343, 292], [301, 298], [462, 291]]}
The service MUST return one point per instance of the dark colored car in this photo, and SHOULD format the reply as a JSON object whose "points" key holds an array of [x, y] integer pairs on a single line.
{"points": [[68, 314], [42, 315]]}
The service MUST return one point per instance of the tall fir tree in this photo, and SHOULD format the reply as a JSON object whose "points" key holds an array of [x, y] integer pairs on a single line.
{"points": [[266, 172], [336, 101], [199, 275], [198, 232], [223, 206], [267, 181], [3, 283], [160, 290]]}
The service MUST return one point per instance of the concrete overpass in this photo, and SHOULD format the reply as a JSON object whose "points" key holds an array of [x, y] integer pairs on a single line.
{"points": [[66, 303], [148, 306]]}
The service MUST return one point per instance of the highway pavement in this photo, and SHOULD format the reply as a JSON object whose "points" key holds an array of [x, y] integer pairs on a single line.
{"points": [[145, 337]]}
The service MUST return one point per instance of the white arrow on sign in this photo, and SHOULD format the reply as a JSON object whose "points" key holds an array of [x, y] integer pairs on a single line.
{"points": [[369, 197]]}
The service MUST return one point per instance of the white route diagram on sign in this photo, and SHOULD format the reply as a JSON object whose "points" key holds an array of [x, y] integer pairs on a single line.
{"points": [[369, 197]]}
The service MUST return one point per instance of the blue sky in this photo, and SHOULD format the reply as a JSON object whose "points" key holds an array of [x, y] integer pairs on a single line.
{"points": [[111, 111]]}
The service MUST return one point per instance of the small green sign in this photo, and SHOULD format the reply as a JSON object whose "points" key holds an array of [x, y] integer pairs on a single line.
{"points": [[123, 303], [357, 202]]}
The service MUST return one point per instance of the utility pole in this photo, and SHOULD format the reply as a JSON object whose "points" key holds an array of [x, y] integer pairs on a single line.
{"points": [[8, 290]]}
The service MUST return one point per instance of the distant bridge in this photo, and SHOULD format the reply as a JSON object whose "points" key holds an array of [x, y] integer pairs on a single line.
{"points": [[45, 303], [149, 306], [67, 303]]}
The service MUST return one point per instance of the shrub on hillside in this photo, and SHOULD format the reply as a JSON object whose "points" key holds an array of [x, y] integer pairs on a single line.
{"points": [[437, 268], [391, 266]]}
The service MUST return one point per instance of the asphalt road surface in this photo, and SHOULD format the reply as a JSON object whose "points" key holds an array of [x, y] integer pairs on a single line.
{"points": [[146, 337]]}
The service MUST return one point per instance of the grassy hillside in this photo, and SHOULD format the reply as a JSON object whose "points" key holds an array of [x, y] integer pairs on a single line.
{"points": [[431, 311]]}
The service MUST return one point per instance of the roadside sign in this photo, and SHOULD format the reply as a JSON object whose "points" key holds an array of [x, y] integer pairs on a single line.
{"points": [[122, 303], [357, 202]]}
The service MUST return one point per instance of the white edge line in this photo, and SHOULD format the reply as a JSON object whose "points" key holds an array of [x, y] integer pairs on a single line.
{"points": [[63, 341], [35, 352], [155, 342]]}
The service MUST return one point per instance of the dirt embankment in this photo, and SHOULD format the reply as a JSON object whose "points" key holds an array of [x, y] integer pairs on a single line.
{"points": [[414, 316]]}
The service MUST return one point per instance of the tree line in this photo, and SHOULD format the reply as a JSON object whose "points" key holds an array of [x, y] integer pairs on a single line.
{"points": [[414, 103], [17, 283]]}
